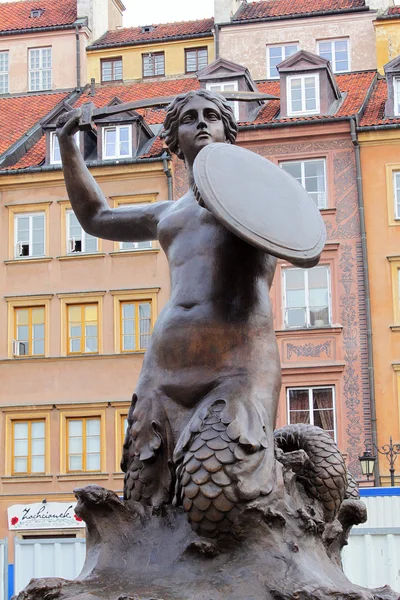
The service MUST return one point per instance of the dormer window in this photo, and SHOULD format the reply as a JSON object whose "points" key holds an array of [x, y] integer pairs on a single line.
{"points": [[396, 85], [55, 155], [117, 142], [229, 86], [147, 28], [36, 12], [303, 95]]}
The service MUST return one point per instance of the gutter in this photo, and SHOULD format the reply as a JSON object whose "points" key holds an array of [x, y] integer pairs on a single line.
{"points": [[168, 175], [173, 38], [92, 164], [292, 123], [78, 59], [371, 374], [216, 40], [37, 29], [379, 127], [319, 13]]}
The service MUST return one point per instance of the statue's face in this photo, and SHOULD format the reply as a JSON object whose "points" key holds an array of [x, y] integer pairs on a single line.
{"points": [[200, 124]]}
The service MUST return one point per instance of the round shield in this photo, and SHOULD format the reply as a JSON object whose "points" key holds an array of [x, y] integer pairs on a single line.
{"points": [[259, 202]]}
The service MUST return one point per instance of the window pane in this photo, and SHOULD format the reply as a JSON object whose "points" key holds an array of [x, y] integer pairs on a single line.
{"points": [[21, 431], [93, 462], [93, 444], [298, 399], [22, 316], [75, 345], [20, 465], [75, 427], [91, 345], [75, 445], [90, 243], [110, 142], [74, 314], [91, 313], [106, 71], [128, 327], [37, 464], [118, 70], [128, 342], [397, 194], [38, 447], [21, 448], [93, 427], [38, 347], [23, 333], [128, 311], [37, 429], [75, 463]]}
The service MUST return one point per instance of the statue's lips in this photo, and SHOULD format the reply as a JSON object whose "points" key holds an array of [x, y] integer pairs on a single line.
{"points": [[202, 134]]}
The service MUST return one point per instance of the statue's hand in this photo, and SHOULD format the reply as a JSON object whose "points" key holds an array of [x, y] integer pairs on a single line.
{"points": [[68, 123]]}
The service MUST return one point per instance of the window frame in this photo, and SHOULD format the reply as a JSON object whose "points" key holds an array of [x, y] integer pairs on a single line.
{"points": [[302, 162], [124, 296], [152, 54], [41, 69], [53, 137], [332, 41], [117, 143], [396, 194], [22, 416], [121, 413], [303, 111], [120, 201], [197, 50], [81, 298], [17, 302], [30, 330], [396, 96], [222, 85], [310, 403], [283, 46], [112, 60], [285, 309], [30, 216], [29, 472], [68, 212], [97, 411], [84, 444], [6, 73], [136, 335], [65, 207], [83, 337]]}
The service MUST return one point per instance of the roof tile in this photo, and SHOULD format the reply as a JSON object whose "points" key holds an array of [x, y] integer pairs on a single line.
{"points": [[163, 31], [270, 9], [394, 10], [19, 113], [375, 111], [16, 16]]}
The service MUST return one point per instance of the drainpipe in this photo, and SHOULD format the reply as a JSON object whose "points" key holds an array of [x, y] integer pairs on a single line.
{"points": [[168, 174], [78, 59], [216, 38], [371, 376]]}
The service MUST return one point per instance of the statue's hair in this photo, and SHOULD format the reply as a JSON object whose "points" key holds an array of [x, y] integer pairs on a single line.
{"points": [[171, 123]]}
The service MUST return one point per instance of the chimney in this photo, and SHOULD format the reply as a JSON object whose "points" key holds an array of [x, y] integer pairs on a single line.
{"points": [[380, 5], [225, 9], [102, 15]]}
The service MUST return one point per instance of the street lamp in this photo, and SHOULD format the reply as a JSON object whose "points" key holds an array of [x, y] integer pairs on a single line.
{"points": [[391, 451]]}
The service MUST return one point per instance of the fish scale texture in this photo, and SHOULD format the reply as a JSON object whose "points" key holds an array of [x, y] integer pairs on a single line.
{"points": [[204, 483], [325, 477]]}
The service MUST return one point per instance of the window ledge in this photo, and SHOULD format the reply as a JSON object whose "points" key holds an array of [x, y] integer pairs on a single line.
{"points": [[26, 478], [395, 327], [310, 330], [80, 476], [328, 210], [133, 252], [16, 261], [81, 255], [118, 475], [125, 355]]}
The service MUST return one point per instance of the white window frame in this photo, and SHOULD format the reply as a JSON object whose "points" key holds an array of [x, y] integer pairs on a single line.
{"points": [[134, 246], [41, 70], [302, 111], [221, 88], [310, 402], [303, 176], [333, 61], [396, 194], [396, 96], [283, 47], [53, 138], [18, 245], [117, 143], [285, 308], [83, 237], [4, 73]]}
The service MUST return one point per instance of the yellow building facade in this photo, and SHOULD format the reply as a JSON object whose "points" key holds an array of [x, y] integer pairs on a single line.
{"points": [[387, 32]]}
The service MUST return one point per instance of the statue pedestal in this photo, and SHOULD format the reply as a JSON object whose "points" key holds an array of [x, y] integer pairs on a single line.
{"points": [[279, 549]]}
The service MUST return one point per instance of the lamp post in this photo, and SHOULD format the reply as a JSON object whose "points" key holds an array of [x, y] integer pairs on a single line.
{"points": [[367, 460]]}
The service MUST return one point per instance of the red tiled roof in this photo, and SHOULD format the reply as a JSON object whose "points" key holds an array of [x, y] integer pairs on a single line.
{"points": [[394, 10], [135, 35], [16, 16], [354, 85], [270, 9], [19, 113], [375, 111]]}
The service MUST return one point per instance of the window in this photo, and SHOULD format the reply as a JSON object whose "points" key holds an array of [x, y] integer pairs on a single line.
{"points": [[275, 55], [29, 235], [83, 444], [135, 245], [135, 325], [77, 239], [29, 331], [39, 69], [232, 86], [117, 141], [313, 405], [312, 176], [303, 95], [195, 59], [111, 69], [55, 155], [337, 52], [83, 329], [396, 83], [396, 190], [28, 447], [306, 300], [153, 64], [4, 59]]}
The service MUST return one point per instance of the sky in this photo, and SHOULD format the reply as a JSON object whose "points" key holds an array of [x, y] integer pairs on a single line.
{"points": [[147, 12]]}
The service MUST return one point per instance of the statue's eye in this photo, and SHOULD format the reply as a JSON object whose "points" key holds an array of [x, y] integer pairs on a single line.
{"points": [[187, 119], [212, 116]]}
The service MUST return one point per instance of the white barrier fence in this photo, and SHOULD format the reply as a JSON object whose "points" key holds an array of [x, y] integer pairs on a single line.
{"points": [[3, 569], [372, 558]]}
